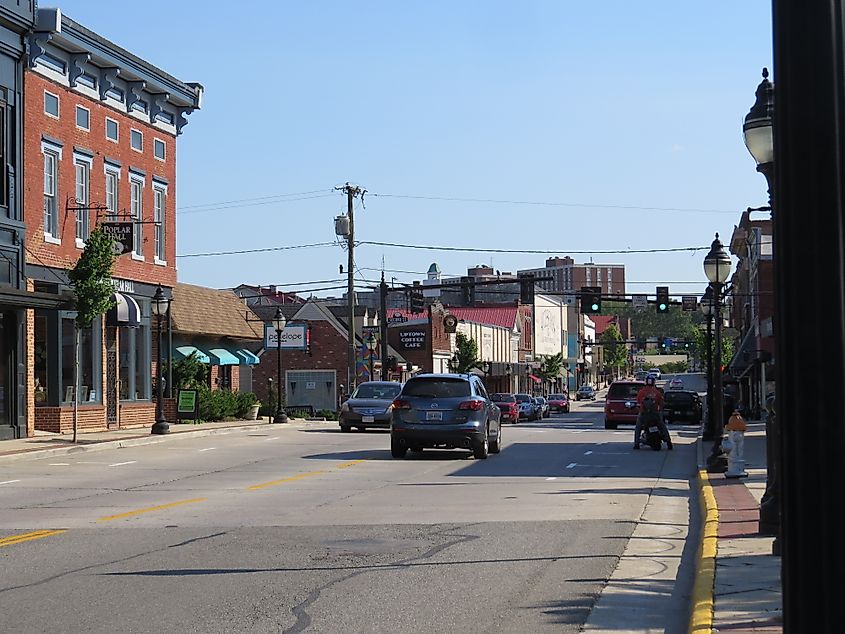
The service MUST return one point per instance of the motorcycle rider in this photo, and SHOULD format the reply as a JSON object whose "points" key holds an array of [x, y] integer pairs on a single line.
{"points": [[648, 399]]}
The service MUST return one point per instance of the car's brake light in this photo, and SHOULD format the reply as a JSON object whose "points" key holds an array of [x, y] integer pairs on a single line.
{"points": [[401, 404], [475, 406]]}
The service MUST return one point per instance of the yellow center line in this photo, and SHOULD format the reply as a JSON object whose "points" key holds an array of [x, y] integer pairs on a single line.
{"points": [[272, 483], [352, 463], [160, 507], [25, 537]]}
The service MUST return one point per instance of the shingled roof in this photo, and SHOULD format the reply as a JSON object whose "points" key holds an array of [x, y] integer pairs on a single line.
{"points": [[208, 311]]}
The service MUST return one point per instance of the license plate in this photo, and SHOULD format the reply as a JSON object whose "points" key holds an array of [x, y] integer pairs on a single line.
{"points": [[368, 419], [653, 430], [434, 415], [678, 412]]}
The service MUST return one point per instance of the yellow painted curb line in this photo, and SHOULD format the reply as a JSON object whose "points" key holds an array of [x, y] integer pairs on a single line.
{"points": [[26, 537], [701, 618]]}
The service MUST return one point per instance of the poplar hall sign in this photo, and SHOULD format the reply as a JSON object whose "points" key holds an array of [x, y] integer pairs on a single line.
{"points": [[121, 236]]}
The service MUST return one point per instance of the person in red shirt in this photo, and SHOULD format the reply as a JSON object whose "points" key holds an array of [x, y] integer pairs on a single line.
{"points": [[650, 402]]}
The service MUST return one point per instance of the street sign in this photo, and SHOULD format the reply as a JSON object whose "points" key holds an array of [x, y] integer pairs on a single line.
{"points": [[689, 303], [640, 302], [397, 318], [294, 337]]}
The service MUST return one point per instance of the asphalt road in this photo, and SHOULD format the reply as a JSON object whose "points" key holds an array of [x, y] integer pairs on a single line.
{"points": [[305, 529]]}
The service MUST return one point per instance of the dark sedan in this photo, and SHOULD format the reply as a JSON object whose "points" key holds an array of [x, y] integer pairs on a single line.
{"points": [[682, 405], [369, 406], [585, 393]]}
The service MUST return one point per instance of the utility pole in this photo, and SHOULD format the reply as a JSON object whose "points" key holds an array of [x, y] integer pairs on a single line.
{"points": [[382, 318], [351, 191]]}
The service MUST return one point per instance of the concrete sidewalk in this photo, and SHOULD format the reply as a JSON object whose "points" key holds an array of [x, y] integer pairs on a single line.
{"points": [[746, 593], [45, 444]]}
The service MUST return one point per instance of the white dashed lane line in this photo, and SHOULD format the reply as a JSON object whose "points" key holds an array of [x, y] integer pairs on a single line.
{"points": [[208, 449], [9, 482], [59, 464], [120, 464]]}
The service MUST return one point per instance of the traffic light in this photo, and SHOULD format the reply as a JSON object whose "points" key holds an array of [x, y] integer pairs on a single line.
{"points": [[467, 291], [417, 302], [662, 299], [661, 342], [526, 289], [590, 300]]}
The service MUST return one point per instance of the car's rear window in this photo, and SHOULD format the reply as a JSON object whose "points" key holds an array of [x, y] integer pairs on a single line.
{"points": [[624, 390], [503, 398], [557, 397], [522, 398], [678, 397], [377, 391], [436, 388]]}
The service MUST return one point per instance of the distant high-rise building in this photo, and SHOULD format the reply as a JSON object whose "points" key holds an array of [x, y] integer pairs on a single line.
{"points": [[569, 276]]}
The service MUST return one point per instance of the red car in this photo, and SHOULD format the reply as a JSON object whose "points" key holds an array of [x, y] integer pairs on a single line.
{"points": [[510, 408], [620, 406], [559, 403]]}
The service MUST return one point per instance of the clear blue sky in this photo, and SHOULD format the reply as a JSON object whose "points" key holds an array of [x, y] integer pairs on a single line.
{"points": [[635, 104]]}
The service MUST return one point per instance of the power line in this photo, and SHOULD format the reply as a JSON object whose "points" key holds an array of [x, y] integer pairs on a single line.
{"points": [[554, 204], [532, 251], [262, 250], [201, 209]]}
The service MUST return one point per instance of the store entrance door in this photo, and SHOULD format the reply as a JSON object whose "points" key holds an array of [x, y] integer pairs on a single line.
{"points": [[7, 375]]}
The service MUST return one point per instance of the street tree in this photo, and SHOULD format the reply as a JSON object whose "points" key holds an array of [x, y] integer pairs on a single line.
{"points": [[615, 351], [647, 323], [700, 339], [466, 354], [90, 279], [550, 367]]}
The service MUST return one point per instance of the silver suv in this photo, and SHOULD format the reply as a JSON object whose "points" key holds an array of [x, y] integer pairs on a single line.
{"points": [[445, 410]]}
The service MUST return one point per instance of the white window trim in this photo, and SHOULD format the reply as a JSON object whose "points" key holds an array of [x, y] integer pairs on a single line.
{"points": [[164, 143], [52, 148], [58, 102], [131, 147], [79, 127], [88, 160], [108, 168], [135, 178], [162, 187], [106, 131]]}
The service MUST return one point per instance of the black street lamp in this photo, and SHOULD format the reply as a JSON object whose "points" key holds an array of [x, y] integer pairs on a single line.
{"points": [[372, 344], [159, 305], [279, 324], [717, 268], [709, 310], [757, 129]]}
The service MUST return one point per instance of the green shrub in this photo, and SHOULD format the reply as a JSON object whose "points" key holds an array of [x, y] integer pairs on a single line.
{"points": [[243, 403], [217, 404], [327, 414]]}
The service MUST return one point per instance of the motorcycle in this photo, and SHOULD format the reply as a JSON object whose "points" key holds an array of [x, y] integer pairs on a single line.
{"points": [[650, 434]]}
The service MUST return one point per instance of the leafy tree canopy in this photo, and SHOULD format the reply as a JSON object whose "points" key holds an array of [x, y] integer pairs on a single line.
{"points": [[91, 278], [647, 323], [615, 351], [550, 367], [466, 353]]}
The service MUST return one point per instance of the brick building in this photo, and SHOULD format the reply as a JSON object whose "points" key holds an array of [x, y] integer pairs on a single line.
{"points": [[569, 276], [100, 135]]}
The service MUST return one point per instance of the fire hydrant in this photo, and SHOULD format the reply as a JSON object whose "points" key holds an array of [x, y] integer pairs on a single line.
{"points": [[734, 444]]}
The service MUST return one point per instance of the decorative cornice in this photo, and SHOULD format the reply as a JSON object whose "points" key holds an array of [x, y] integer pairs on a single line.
{"points": [[76, 70], [182, 120], [133, 95], [106, 80], [36, 42], [157, 105]]}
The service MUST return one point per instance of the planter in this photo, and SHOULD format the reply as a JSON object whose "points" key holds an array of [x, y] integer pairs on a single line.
{"points": [[252, 414]]}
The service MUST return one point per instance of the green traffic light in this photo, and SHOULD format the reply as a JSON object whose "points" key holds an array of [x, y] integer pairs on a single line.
{"points": [[595, 307], [662, 307]]}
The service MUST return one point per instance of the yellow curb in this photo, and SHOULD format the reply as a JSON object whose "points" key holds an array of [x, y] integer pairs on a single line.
{"points": [[701, 618]]}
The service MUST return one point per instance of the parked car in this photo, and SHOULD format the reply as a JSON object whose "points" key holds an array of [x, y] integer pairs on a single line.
{"points": [[543, 406], [445, 410], [656, 373], [508, 405], [369, 406], [640, 375], [620, 406], [527, 410], [676, 384], [682, 405], [585, 393], [559, 403]]}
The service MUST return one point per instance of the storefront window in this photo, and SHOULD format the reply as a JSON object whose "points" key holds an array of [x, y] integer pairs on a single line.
{"points": [[41, 360], [90, 358], [135, 379]]}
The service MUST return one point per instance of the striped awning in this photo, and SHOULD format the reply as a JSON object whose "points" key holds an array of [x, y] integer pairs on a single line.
{"points": [[221, 356], [186, 351], [125, 312], [247, 357]]}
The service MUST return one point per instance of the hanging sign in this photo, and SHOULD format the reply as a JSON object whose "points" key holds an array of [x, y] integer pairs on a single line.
{"points": [[121, 234], [689, 303], [640, 302]]}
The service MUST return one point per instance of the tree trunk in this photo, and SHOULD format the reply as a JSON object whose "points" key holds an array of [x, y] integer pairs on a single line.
{"points": [[76, 345]]}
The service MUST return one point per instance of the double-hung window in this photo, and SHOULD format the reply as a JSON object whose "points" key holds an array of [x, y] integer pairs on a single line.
{"points": [[136, 207], [112, 191], [51, 191], [159, 202], [82, 166]]}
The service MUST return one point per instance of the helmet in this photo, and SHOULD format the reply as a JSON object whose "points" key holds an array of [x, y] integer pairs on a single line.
{"points": [[649, 380]]}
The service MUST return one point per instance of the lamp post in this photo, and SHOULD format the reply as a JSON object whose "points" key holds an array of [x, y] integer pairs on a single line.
{"points": [[757, 131], [717, 268], [708, 309], [372, 344], [279, 324], [159, 305]]}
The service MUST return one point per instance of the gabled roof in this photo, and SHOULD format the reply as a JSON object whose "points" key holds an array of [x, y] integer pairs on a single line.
{"points": [[271, 294], [602, 322], [208, 311], [502, 316]]}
